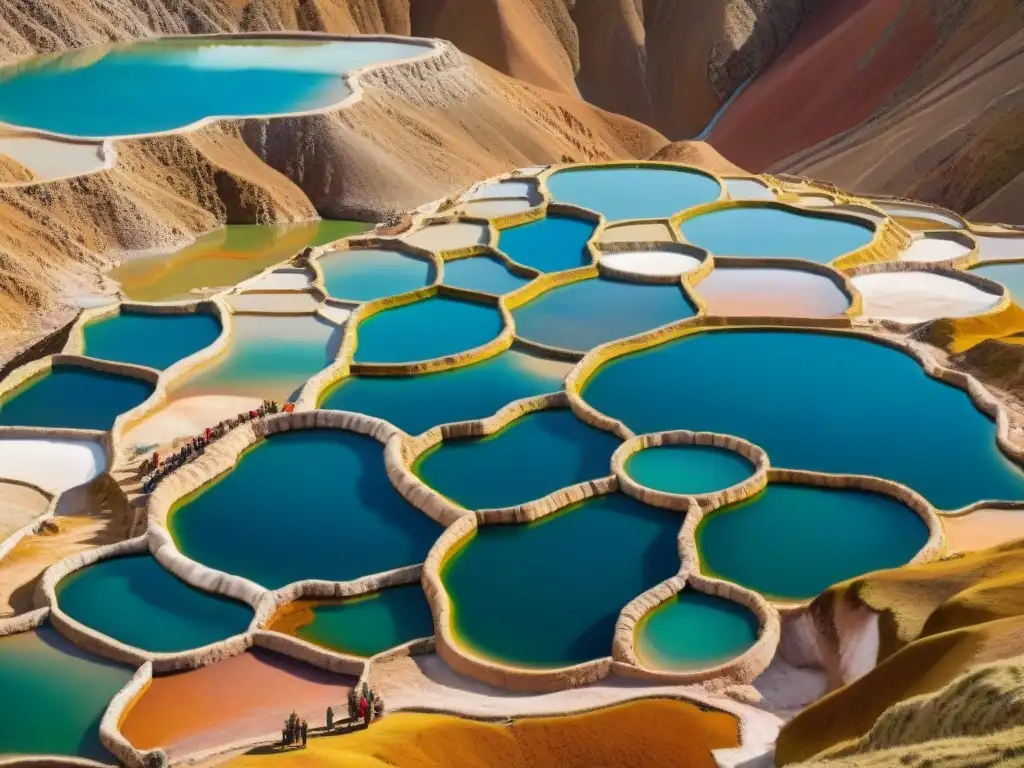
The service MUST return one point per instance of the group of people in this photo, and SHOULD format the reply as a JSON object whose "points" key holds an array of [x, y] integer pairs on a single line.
{"points": [[295, 731], [154, 469]]}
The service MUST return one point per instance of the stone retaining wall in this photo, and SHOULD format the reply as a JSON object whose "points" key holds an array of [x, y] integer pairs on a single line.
{"points": [[118, 708]]}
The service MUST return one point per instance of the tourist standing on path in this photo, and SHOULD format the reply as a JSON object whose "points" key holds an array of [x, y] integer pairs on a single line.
{"points": [[330, 719], [305, 731]]}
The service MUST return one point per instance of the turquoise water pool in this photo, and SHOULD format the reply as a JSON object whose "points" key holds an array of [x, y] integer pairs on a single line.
{"points": [[551, 244], [162, 85], [626, 192], [307, 504], [791, 542], [770, 232], [54, 695], [136, 601], [548, 593], [417, 403], [806, 399], [693, 630], [158, 341], [581, 315], [364, 274], [72, 397], [1010, 275], [482, 273], [268, 357], [688, 469], [425, 329], [533, 456], [369, 625]]}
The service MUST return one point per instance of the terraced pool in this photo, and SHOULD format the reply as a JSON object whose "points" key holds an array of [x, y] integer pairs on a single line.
{"points": [[68, 396], [1011, 275], [694, 630], [161, 85], [633, 192], [361, 626], [766, 292], [688, 469], [802, 397], [548, 593], [155, 340], [364, 274], [352, 526], [417, 403], [545, 451], [137, 602], [579, 316], [551, 244], [484, 274], [791, 542]]}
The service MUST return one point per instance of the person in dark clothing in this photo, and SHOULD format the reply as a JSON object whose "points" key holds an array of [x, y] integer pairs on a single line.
{"points": [[305, 732]]}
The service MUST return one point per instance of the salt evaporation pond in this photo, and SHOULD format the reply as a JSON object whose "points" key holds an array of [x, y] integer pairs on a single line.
{"points": [[548, 593], [694, 630], [155, 340], [137, 602], [70, 397], [633, 192], [482, 273], [748, 189], [791, 542], [688, 469], [364, 274], [757, 292], [417, 403], [364, 625], [353, 522], [222, 258], [54, 695], [552, 244], [163, 85], [1010, 275], [543, 451], [268, 357], [802, 397], [428, 328], [774, 232], [579, 316]]}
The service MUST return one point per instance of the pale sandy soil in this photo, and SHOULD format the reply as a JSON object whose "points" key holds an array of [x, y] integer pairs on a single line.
{"points": [[449, 237], [983, 528], [19, 506], [636, 233], [245, 697], [652, 263], [496, 207], [906, 210], [748, 189], [281, 280], [48, 159], [506, 188], [815, 201], [53, 465], [932, 249], [992, 248], [335, 314], [531, 170], [83, 523], [914, 297], [545, 365], [287, 302], [187, 416], [862, 212]]}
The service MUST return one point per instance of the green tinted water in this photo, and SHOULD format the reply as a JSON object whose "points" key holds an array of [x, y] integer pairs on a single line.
{"points": [[134, 600], [693, 630], [307, 504], [425, 329], [72, 397], [482, 273], [551, 244], [158, 341], [581, 315], [791, 541], [688, 469], [54, 695], [806, 399], [417, 403], [364, 274], [369, 625], [224, 257], [533, 456], [548, 593]]}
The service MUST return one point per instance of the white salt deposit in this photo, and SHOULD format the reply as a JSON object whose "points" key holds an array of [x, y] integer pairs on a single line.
{"points": [[53, 465], [933, 249], [916, 297], [651, 263]]}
